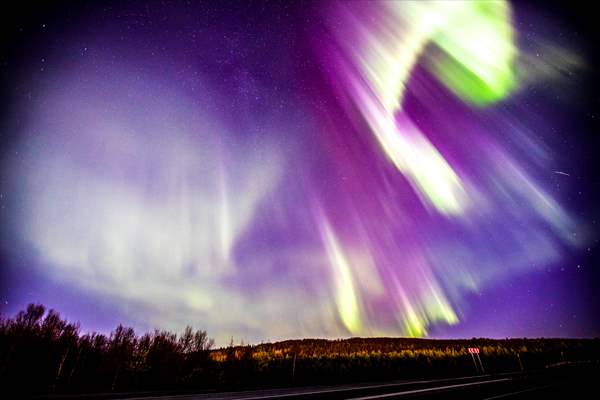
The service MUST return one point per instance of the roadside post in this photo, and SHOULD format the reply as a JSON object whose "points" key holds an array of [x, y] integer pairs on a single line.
{"points": [[474, 351], [520, 363]]}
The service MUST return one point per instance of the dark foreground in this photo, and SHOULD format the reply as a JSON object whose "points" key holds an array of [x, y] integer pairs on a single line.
{"points": [[567, 381], [42, 354]]}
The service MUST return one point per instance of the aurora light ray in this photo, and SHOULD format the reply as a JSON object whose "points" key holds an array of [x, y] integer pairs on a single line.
{"points": [[479, 70], [470, 47], [370, 194]]}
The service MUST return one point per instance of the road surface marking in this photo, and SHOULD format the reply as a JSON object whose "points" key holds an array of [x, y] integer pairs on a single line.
{"points": [[295, 394], [241, 396], [433, 389]]}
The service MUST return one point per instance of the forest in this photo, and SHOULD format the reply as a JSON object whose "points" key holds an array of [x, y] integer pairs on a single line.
{"points": [[41, 353]]}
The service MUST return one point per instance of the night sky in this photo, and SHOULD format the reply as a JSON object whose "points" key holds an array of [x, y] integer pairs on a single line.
{"points": [[268, 170]]}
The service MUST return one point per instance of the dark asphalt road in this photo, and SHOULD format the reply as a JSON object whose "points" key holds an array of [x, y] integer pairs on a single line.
{"points": [[571, 382]]}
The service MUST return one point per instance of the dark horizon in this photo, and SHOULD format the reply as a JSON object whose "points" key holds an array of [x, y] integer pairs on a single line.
{"points": [[241, 342], [42, 354]]}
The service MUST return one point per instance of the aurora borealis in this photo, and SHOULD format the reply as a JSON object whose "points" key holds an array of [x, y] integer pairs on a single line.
{"points": [[330, 169]]}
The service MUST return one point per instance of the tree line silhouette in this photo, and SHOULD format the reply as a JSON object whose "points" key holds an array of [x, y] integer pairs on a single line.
{"points": [[42, 353]]}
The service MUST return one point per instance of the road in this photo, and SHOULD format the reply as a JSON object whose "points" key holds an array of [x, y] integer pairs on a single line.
{"points": [[572, 382]]}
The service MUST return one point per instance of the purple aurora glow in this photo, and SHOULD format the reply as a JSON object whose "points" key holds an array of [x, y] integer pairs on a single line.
{"points": [[362, 168]]}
